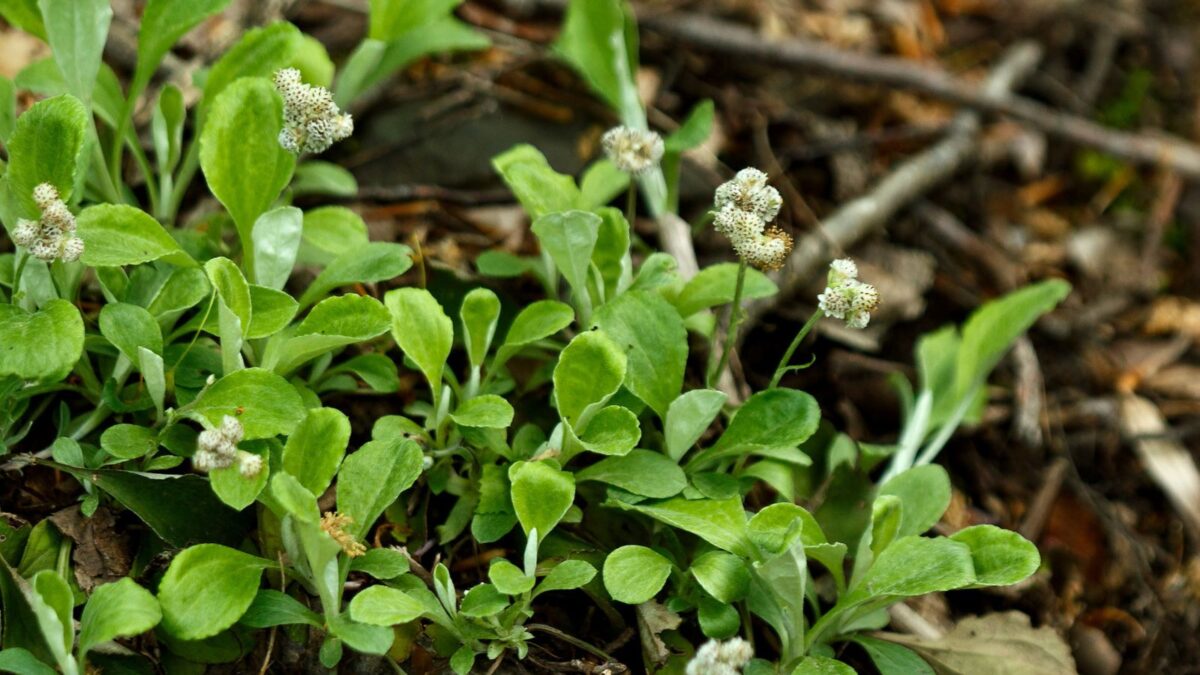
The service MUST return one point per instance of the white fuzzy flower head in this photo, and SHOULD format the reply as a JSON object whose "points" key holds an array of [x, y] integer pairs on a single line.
{"points": [[311, 120], [249, 464], [721, 658], [846, 297], [745, 206], [52, 236], [217, 448], [634, 151]]}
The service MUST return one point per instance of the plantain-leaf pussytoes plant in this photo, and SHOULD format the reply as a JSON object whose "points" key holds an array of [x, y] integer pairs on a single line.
{"points": [[187, 374]]}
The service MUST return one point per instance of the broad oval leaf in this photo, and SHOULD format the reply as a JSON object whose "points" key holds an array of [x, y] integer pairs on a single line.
{"points": [[276, 237], [725, 577], [367, 264], [1001, 557], [641, 472], [333, 323], [77, 31], [488, 412], [128, 441], [315, 449], [128, 327], [721, 523], [648, 329], [163, 23], [915, 566], [634, 574], [422, 331], [373, 477], [925, 493], [567, 575], [207, 588], [688, 417], [541, 495], [569, 237], [330, 231], [43, 345], [589, 371], [714, 285], [259, 53], [384, 606], [265, 403], [479, 312], [117, 234], [46, 147], [118, 609]]}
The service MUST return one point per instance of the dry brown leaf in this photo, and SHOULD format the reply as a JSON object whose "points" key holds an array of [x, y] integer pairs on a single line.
{"points": [[653, 619], [101, 554], [993, 644], [1169, 464]]}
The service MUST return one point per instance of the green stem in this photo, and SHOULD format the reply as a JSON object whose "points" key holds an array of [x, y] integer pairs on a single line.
{"points": [[16, 287], [735, 318], [191, 162], [108, 182], [791, 350], [631, 203]]}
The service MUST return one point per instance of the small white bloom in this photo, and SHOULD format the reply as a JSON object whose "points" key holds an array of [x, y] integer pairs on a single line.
{"points": [[231, 429], [44, 195], [634, 151], [846, 297], [72, 249], [721, 658], [745, 205], [311, 120], [249, 464], [25, 233]]}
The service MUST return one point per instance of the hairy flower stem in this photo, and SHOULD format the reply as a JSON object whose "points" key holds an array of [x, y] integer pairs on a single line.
{"points": [[787, 356], [735, 318], [631, 203]]}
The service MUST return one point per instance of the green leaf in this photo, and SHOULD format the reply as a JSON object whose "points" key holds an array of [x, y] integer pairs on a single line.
{"points": [[538, 321], [324, 178], [915, 566], [541, 495], [77, 31], [601, 43], [259, 53], [611, 431], [391, 19], [821, 665], [688, 417], [724, 576], [42, 346], [181, 509], [589, 371], [52, 602], [463, 660], [483, 601], [271, 311], [236, 490], [129, 327], [611, 256], [384, 606], [508, 578], [721, 523], [634, 574], [8, 108], [600, 184], [892, 659], [362, 637], [422, 331], [373, 477], [367, 264], [494, 515], [24, 14], [992, 329], [714, 286], [128, 441], [335, 322], [207, 588], [46, 147], [569, 237], [694, 130], [119, 609], [775, 418], [315, 449], [540, 189], [653, 337], [240, 155], [116, 235], [272, 608], [286, 496], [163, 23], [479, 313], [276, 237], [925, 493], [17, 660], [488, 411], [265, 403], [641, 472], [566, 576], [329, 232], [1001, 557]]}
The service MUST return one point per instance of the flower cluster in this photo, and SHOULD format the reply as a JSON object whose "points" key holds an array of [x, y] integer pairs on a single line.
{"points": [[634, 151], [846, 297], [217, 449], [721, 658], [53, 236], [744, 207], [311, 120], [334, 524]]}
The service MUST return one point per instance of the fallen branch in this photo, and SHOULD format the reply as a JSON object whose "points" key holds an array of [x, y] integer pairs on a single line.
{"points": [[817, 57], [909, 181]]}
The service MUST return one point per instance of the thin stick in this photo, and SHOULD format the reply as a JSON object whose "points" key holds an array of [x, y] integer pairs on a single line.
{"points": [[901, 187], [787, 356]]}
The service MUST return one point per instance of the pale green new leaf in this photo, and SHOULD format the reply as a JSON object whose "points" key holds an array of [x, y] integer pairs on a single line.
{"points": [[634, 574], [373, 477], [46, 147], [77, 31], [207, 588], [119, 609], [651, 333], [42, 346], [541, 495], [316, 448], [117, 234], [367, 264], [422, 331], [265, 403]]}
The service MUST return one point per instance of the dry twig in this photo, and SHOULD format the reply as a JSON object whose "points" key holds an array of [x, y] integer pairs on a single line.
{"points": [[910, 180]]}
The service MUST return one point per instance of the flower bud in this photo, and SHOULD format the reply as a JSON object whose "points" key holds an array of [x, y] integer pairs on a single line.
{"points": [[846, 297], [311, 120]]}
